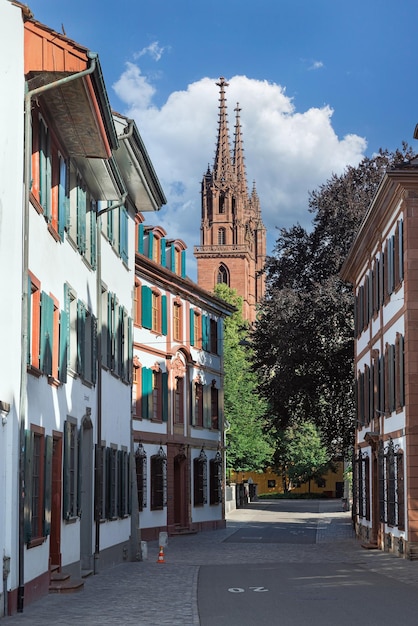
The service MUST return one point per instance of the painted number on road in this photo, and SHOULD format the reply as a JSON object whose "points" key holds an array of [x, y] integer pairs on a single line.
{"points": [[241, 590]]}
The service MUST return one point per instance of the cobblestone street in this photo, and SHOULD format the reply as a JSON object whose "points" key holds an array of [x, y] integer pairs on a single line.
{"points": [[150, 593]]}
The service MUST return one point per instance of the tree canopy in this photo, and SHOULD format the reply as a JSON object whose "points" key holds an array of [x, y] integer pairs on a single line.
{"points": [[303, 339], [248, 447]]}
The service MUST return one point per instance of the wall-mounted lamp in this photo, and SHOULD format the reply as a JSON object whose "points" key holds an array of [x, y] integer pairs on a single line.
{"points": [[4, 411]]}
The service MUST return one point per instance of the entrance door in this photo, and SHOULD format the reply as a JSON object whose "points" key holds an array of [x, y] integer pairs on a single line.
{"points": [[180, 491], [56, 494], [86, 493]]}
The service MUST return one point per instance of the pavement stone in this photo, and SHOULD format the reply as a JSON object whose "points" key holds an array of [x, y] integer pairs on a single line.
{"points": [[148, 593]]}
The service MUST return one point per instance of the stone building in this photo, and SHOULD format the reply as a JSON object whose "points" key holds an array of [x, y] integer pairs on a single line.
{"points": [[233, 238]]}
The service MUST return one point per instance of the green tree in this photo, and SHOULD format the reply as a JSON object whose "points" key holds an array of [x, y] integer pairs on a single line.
{"points": [[303, 339], [300, 455], [248, 447]]}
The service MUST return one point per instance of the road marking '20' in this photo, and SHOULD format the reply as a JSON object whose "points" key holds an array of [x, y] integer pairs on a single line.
{"points": [[241, 590]]}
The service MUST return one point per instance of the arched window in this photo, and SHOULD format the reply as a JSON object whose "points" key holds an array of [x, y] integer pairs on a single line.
{"points": [[223, 275], [221, 237]]}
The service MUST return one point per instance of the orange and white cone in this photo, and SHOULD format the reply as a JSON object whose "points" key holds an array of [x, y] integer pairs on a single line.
{"points": [[161, 555]]}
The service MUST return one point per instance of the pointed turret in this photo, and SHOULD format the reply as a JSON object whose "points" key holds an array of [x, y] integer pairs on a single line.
{"points": [[222, 168], [238, 160]]}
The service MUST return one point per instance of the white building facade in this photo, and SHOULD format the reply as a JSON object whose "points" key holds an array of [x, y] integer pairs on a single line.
{"points": [[67, 246], [177, 392]]}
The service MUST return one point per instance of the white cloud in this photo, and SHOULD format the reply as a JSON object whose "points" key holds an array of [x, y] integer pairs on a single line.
{"points": [[316, 65], [288, 153], [154, 50]]}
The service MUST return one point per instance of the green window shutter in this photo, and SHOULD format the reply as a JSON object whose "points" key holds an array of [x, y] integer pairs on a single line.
{"points": [[141, 238], [79, 469], [63, 348], [205, 332], [81, 219], [183, 263], [130, 350], [63, 197], [164, 384], [191, 327], [401, 358], [28, 485], [94, 361], [150, 243], [172, 258], [164, 315], [400, 249], [163, 245], [47, 316], [146, 392], [81, 327], [109, 330], [146, 300], [44, 171], [110, 229], [219, 347], [66, 496], [93, 238], [48, 485], [67, 304], [123, 234]]}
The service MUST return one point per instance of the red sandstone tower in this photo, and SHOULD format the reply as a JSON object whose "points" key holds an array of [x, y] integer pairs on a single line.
{"points": [[232, 235]]}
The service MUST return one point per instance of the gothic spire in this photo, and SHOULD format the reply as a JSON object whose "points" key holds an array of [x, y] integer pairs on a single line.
{"points": [[239, 162], [222, 168]]}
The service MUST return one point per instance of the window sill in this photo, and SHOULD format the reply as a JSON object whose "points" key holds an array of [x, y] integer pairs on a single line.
{"points": [[35, 371], [34, 543]]}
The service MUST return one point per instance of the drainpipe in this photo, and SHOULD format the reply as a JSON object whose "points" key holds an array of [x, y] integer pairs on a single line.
{"points": [[99, 466], [38, 91]]}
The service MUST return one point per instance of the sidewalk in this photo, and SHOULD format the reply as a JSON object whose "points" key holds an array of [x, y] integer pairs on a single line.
{"points": [[155, 594]]}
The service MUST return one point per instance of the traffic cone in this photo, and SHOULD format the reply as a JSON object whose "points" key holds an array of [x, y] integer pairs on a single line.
{"points": [[161, 555]]}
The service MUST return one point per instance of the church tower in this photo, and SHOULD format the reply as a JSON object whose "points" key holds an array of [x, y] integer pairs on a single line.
{"points": [[232, 235]]}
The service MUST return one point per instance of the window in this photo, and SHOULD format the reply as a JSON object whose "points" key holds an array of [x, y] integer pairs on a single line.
{"points": [[223, 275], [198, 404], [214, 403], [271, 483], [38, 476], [156, 397], [214, 336], [156, 249], [221, 203], [177, 322], [158, 480], [200, 465], [156, 312], [179, 401], [361, 485], [70, 499], [196, 329], [391, 484], [221, 236], [215, 479], [44, 169], [136, 390], [141, 476]]}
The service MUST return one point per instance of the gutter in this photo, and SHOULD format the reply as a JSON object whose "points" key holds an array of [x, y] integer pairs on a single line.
{"points": [[25, 306]]}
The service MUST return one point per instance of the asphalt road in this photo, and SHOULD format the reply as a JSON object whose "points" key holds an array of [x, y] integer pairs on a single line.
{"points": [[301, 592]]}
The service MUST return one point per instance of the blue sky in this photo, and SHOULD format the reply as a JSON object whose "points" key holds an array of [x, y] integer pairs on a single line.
{"points": [[321, 83]]}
